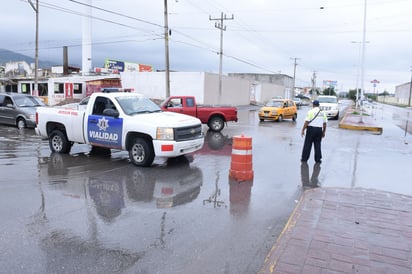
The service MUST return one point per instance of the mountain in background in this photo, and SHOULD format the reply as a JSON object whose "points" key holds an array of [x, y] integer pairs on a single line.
{"points": [[11, 56]]}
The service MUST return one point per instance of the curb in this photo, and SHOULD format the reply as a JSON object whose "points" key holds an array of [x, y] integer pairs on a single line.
{"points": [[350, 121]]}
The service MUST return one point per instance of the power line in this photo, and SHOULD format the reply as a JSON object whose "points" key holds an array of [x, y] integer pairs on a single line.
{"points": [[117, 13]]}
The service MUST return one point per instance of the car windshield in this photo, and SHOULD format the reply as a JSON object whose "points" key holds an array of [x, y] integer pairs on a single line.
{"points": [[84, 101], [135, 105], [276, 104], [327, 99], [28, 101]]}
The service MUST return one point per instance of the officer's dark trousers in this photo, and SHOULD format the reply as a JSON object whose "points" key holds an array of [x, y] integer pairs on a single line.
{"points": [[313, 135]]}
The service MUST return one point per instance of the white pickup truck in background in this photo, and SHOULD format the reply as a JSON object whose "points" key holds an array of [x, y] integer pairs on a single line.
{"points": [[329, 105], [125, 121]]}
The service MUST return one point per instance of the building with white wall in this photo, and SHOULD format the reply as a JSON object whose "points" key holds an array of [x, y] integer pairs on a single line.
{"points": [[402, 93], [269, 85], [204, 86], [237, 90]]}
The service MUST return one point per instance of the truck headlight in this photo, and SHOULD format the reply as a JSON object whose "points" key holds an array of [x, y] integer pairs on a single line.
{"points": [[164, 133]]}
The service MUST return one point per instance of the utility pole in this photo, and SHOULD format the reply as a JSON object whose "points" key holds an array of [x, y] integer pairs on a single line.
{"points": [[294, 74], [219, 25], [313, 84], [166, 33], [36, 54]]}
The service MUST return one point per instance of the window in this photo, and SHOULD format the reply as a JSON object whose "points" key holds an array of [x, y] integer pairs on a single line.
{"points": [[101, 104], [77, 88], [190, 102], [7, 101], [175, 102], [11, 88], [58, 88], [42, 89], [25, 88]]}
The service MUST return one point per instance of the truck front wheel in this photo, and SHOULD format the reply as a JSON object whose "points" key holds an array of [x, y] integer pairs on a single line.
{"points": [[58, 142], [141, 153], [216, 123]]}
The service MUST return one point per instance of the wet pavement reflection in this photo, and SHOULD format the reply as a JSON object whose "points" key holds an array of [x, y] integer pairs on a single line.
{"points": [[97, 213], [313, 181]]}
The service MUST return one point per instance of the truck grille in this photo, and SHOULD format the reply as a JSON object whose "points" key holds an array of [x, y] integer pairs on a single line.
{"points": [[188, 133], [325, 108]]}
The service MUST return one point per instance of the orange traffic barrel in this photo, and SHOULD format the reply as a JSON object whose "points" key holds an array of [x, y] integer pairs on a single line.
{"points": [[241, 165]]}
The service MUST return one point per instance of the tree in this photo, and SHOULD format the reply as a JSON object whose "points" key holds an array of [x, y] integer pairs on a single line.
{"points": [[352, 94], [329, 91], [316, 91]]}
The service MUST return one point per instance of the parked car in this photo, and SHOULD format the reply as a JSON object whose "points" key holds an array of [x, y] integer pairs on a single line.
{"points": [[298, 102], [278, 109], [329, 105], [19, 110]]}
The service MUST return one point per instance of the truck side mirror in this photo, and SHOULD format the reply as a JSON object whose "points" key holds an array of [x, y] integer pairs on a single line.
{"points": [[111, 112]]}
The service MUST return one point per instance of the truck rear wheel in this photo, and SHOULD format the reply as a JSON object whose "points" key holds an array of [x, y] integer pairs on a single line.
{"points": [[58, 142], [141, 153], [216, 123]]}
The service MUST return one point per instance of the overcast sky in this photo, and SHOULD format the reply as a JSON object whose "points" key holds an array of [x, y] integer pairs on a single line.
{"points": [[264, 36]]}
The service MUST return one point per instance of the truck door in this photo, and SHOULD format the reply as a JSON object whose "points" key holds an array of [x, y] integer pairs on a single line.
{"points": [[190, 106], [175, 105], [103, 130]]}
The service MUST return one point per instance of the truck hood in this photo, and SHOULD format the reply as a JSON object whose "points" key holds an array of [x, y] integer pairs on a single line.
{"points": [[169, 119], [328, 104]]}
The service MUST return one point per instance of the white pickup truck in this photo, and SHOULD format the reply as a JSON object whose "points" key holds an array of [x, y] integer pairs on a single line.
{"points": [[125, 121]]}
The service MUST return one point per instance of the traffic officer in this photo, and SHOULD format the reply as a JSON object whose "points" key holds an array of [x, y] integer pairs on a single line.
{"points": [[315, 126]]}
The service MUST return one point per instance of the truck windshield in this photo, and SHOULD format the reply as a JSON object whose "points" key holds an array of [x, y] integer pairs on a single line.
{"points": [[28, 101], [135, 105], [327, 99]]}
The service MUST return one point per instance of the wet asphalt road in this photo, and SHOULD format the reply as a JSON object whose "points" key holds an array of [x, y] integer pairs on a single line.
{"points": [[84, 213]]}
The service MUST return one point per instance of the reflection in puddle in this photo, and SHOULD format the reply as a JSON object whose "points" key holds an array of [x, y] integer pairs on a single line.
{"points": [[313, 181], [214, 197], [240, 194]]}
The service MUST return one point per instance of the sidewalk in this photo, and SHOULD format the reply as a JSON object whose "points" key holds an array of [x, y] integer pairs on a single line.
{"points": [[353, 120], [337, 230]]}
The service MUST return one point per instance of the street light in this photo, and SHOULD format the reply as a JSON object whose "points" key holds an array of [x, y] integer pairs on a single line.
{"points": [[167, 64], [410, 89], [357, 71], [357, 74], [36, 54], [363, 60]]}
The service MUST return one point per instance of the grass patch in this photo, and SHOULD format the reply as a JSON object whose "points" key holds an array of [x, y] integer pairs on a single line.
{"points": [[358, 113]]}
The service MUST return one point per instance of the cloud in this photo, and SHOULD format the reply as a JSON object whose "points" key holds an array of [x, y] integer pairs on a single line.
{"points": [[263, 37]]}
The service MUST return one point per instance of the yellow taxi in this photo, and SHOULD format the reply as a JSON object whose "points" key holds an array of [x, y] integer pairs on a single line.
{"points": [[278, 109]]}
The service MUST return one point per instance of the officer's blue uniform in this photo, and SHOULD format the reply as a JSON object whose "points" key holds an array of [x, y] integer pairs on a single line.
{"points": [[316, 120]]}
